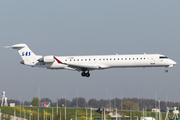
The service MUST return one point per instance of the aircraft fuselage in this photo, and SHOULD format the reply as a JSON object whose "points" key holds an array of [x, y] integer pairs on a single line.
{"points": [[88, 63]]}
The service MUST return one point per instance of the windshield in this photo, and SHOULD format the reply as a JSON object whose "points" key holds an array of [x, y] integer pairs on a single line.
{"points": [[163, 57]]}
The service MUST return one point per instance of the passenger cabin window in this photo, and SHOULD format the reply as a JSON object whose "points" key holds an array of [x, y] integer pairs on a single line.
{"points": [[114, 58], [163, 57]]}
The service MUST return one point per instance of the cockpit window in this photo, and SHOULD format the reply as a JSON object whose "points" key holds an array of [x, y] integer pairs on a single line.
{"points": [[163, 57]]}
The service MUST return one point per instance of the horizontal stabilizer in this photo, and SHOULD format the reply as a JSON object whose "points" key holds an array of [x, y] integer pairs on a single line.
{"points": [[17, 46]]}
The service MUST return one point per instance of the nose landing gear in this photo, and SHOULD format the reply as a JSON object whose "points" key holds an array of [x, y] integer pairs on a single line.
{"points": [[166, 69]]}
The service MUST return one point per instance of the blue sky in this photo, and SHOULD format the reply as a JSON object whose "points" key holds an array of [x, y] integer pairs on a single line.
{"points": [[89, 28]]}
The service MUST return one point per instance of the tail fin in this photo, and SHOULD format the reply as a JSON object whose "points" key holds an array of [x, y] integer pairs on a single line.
{"points": [[29, 58], [24, 51]]}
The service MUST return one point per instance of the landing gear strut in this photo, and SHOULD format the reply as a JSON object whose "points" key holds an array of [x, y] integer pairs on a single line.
{"points": [[85, 74], [166, 70]]}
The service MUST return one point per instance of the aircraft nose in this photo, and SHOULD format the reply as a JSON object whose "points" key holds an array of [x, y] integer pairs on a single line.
{"points": [[173, 62]]}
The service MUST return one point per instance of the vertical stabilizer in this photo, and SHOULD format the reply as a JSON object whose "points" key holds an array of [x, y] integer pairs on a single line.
{"points": [[24, 51], [29, 58]]}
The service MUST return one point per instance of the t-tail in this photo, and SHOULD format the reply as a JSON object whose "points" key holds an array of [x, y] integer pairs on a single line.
{"points": [[29, 58]]}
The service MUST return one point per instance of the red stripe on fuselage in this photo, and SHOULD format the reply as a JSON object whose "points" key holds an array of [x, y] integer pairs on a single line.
{"points": [[57, 60]]}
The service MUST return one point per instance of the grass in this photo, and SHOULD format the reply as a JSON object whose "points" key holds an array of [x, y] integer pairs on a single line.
{"points": [[32, 112], [70, 113]]}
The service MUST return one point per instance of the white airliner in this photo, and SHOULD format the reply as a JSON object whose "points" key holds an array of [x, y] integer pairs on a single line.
{"points": [[88, 63]]}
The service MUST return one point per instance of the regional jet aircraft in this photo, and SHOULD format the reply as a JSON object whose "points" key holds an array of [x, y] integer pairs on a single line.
{"points": [[88, 63]]}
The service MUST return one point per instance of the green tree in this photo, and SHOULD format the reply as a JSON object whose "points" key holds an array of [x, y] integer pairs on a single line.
{"points": [[35, 101], [129, 105]]}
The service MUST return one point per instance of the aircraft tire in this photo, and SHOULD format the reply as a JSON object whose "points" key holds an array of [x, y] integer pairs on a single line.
{"points": [[83, 74], [87, 74]]}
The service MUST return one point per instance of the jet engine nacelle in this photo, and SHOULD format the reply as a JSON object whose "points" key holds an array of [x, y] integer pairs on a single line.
{"points": [[47, 59]]}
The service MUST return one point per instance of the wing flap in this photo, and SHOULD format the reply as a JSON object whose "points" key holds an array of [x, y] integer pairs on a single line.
{"points": [[81, 66]]}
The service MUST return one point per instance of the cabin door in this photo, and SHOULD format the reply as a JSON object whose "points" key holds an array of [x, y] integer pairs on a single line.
{"points": [[152, 61]]}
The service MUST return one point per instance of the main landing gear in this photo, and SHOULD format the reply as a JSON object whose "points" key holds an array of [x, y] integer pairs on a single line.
{"points": [[85, 74]]}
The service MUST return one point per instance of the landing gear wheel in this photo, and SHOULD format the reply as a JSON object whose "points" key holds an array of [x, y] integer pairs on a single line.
{"points": [[87, 74], [83, 74], [166, 70]]}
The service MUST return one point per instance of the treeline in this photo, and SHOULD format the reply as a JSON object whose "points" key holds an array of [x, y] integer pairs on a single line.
{"points": [[123, 104]]}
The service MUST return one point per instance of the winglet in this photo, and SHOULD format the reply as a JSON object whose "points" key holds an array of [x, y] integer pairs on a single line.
{"points": [[57, 60]]}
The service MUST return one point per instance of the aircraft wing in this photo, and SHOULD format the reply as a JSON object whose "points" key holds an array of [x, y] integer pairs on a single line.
{"points": [[81, 66], [77, 66]]}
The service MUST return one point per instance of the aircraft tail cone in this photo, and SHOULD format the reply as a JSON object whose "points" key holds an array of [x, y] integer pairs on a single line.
{"points": [[22, 62]]}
